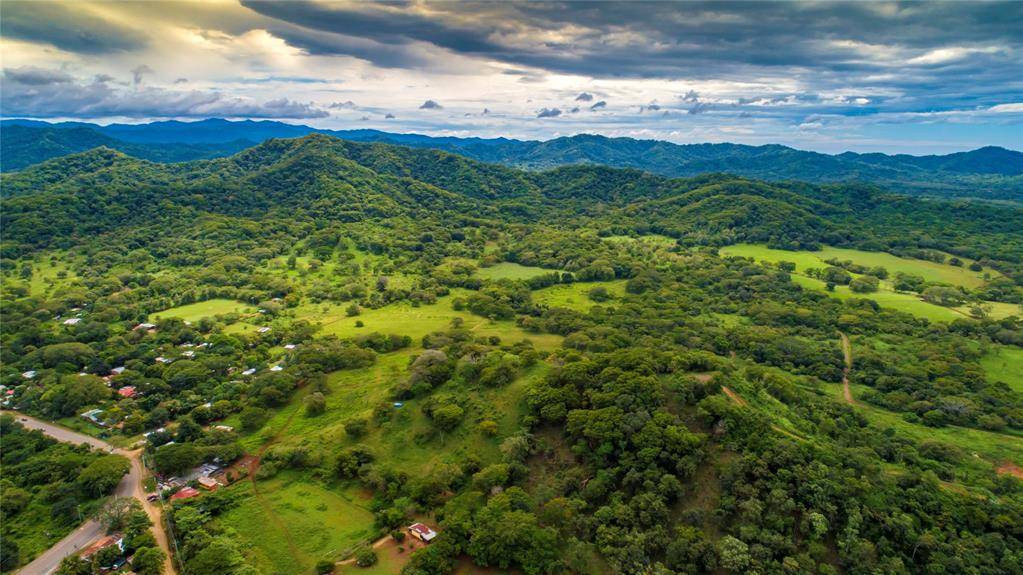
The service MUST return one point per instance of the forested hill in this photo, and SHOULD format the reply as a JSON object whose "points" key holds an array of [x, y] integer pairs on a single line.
{"points": [[317, 176], [22, 146], [991, 172]]}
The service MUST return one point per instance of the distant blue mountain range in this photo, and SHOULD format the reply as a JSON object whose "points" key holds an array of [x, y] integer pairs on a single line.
{"points": [[989, 172]]}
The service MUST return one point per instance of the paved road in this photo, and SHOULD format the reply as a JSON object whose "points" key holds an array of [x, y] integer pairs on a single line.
{"points": [[91, 530]]}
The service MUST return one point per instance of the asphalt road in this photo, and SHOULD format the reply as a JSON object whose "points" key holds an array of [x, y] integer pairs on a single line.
{"points": [[91, 530]]}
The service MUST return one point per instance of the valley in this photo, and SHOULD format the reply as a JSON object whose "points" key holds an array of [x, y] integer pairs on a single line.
{"points": [[596, 364]]}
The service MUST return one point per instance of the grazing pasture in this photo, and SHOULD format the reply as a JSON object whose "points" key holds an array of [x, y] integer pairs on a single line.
{"points": [[511, 271], [196, 311]]}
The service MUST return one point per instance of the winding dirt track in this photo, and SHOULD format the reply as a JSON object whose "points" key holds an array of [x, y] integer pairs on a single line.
{"points": [[847, 352], [91, 530]]}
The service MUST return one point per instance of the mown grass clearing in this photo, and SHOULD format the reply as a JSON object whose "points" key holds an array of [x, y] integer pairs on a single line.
{"points": [[295, 522], [405, 319], [576, 295], [930, 271], [511, 271], [199, 310], [906, 302], [1005, 364]]}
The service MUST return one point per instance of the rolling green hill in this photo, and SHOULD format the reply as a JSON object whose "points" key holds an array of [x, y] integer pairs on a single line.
{"points": [[990, 172]]}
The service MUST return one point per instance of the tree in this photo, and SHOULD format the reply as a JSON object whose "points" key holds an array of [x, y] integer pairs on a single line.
{"points": [[175, 458], [119, 512], [447, 417], [315, 404], [219, 557], [101, 476], [10, 554], [365, 556], [356, 427], [943, 295], [734, 554], [864, 284], [148, 561], [505, 536], [253, 418]]}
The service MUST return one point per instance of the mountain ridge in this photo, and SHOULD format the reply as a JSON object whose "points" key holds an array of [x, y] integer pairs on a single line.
{"points": [[989, 172]]}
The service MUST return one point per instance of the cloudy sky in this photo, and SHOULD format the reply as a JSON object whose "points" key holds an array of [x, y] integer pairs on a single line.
{"points": [[895, 77]]}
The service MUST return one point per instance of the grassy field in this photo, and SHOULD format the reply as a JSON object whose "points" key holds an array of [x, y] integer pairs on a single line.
{"points": [[930, 271], [906, 302], [511, 271], [983, 449], [574, 295], [196, 311], [415, 322], [1005, 364], [886, 296], [295, 522]]}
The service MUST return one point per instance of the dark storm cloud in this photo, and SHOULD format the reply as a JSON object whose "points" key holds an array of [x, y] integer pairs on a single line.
{"points": [[32, 76], [598, 105], [903, 46], [699, 108], [548, 113], [101, 97], [138, 72], [66, 28], [430, 105], [584, 97]]}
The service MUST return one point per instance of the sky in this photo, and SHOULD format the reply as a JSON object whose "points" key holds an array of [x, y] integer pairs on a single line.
{"points": [[896, 77]]}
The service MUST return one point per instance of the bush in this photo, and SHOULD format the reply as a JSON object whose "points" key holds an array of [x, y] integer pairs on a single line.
{"points": [[324, 566], [315, 404], [365, 557], [356, 428], [864, 284]]}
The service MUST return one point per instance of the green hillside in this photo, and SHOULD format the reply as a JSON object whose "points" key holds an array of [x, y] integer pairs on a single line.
{"points": [[582, 370]]}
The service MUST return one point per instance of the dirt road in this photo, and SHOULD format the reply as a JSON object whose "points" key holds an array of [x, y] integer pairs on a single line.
{"points": [[91, 530], [847, 352]]}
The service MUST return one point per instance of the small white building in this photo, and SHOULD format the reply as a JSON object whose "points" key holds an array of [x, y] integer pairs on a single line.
{"points": [[72, 320], [263, 330], [422, 532], [249, 371], [30, 374], [276, 368]]}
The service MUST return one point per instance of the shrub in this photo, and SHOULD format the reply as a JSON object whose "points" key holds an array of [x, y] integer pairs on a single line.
{"points": [[365, 557]]}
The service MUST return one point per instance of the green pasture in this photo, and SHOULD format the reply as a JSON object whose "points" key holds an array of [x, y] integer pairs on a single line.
{"points": [[1005, 364], [511, 271], [930, 271], [407, 440], [295, 521], [405, 319], [575, 295], [906, 302], [983, 450], [199, 310]]}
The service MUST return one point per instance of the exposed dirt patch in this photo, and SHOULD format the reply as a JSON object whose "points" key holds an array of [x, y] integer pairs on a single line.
{"points": [[847, 352], [734, 396], [1010, 468]]}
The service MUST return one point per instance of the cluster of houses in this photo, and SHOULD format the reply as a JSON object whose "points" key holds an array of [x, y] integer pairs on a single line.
{"points": [[208, 476]]}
